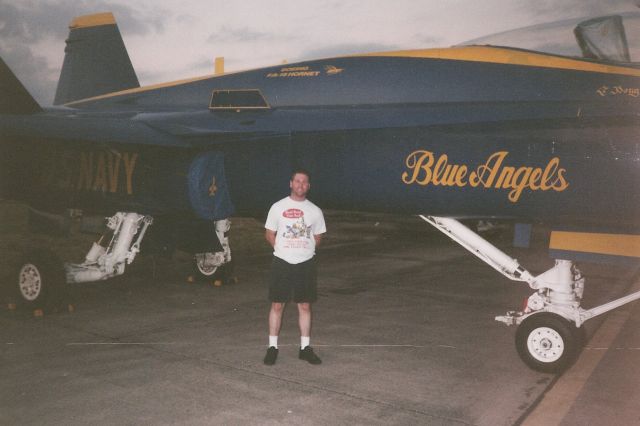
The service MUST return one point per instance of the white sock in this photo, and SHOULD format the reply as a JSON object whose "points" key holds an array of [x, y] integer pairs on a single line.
{"points": [[273, 341], [304, 341]]}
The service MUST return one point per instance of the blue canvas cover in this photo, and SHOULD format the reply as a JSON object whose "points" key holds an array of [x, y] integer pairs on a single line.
{"points": [[208, 189]]}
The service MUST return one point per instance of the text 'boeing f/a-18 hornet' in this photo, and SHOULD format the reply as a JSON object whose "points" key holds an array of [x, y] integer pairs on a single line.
{"points": [[468, 132]]}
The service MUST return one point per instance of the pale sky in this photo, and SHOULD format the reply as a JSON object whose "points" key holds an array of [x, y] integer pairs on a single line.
{"points": [[172, 40]]}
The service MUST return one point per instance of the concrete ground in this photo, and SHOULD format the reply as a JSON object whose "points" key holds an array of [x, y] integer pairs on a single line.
{"points": [[404, 326]]}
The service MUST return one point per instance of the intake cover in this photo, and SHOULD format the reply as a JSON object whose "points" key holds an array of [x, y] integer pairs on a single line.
{"points": [[208, 190]]}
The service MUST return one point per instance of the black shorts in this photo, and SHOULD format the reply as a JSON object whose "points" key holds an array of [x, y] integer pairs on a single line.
{"points": [[293, 282]]}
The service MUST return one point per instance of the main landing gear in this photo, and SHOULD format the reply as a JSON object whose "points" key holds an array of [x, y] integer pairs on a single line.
{"points": [[215, 267], [550, 334], [106, 261], [41, 278]]}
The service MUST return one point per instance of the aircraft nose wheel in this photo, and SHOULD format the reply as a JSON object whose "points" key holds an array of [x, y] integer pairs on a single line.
{"points": [[547, 342]]}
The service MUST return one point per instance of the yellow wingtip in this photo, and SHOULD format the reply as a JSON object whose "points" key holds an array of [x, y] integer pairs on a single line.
{"points": [[93, 20]]}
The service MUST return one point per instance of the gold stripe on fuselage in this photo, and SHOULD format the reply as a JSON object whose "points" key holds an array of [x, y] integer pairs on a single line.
{"points": [[609, 244], [489, 54], [141, 89], [499, 55]]}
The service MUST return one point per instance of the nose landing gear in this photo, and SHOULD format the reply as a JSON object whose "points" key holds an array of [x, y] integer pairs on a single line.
{"points": [[550, 333]]}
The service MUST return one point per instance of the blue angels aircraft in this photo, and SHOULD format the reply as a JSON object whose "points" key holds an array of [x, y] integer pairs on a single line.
{"points": [[472, 131]]}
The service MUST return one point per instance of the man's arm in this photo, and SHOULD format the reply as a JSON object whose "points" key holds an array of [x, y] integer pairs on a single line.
{"points": [[318, 239], [271, 237]]}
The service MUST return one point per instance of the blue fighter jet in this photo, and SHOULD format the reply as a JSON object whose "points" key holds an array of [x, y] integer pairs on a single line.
{"points": [[476, 131]]}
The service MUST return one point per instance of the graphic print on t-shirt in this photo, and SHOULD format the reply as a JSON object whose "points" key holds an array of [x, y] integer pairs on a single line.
{"points": [[297, 232], [296, 224]]}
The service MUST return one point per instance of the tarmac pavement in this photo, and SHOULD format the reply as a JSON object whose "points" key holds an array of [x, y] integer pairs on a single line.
{"points": [[404, 326]]}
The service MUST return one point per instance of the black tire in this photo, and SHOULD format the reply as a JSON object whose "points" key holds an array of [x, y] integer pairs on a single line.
{"points": [[548, 343], [40, 280]]}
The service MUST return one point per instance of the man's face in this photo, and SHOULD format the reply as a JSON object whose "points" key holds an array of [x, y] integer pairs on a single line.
{"points": [[299, 186]]}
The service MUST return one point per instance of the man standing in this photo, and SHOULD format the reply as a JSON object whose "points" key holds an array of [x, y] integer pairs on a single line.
{"points": [[294, 229]]}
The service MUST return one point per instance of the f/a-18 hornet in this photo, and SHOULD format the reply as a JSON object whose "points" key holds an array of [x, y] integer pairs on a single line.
{"points": [[467, 132]]}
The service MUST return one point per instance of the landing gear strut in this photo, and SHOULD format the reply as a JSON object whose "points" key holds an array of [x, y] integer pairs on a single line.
{"points": [[549, 335], [215, 265], [105, 262]]}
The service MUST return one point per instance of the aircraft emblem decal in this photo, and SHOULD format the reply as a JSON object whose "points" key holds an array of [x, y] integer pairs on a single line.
{"points": [[423, 168], [213, 188], [332, 70]]}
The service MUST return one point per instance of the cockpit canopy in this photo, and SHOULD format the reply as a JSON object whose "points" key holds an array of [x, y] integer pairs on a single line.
{"points": [[613, 38], [603, 39]]}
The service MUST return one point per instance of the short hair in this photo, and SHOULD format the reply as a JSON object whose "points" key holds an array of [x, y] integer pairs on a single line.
{"points": [[301, 171]]}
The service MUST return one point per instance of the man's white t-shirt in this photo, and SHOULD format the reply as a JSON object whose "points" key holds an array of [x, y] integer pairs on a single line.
{"points": [[295, 224]]}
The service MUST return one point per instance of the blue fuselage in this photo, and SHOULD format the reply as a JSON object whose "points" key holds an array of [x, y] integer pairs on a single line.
{"points": [[554, 139]]}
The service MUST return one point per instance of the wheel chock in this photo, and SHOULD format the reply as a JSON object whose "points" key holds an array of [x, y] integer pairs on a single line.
{"points": [[191, 279], [38, 313], [12, 306], [217, 283]]}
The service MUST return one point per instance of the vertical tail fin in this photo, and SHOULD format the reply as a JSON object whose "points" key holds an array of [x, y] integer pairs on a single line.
{"points": [[96, 60], [14, 98]]}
